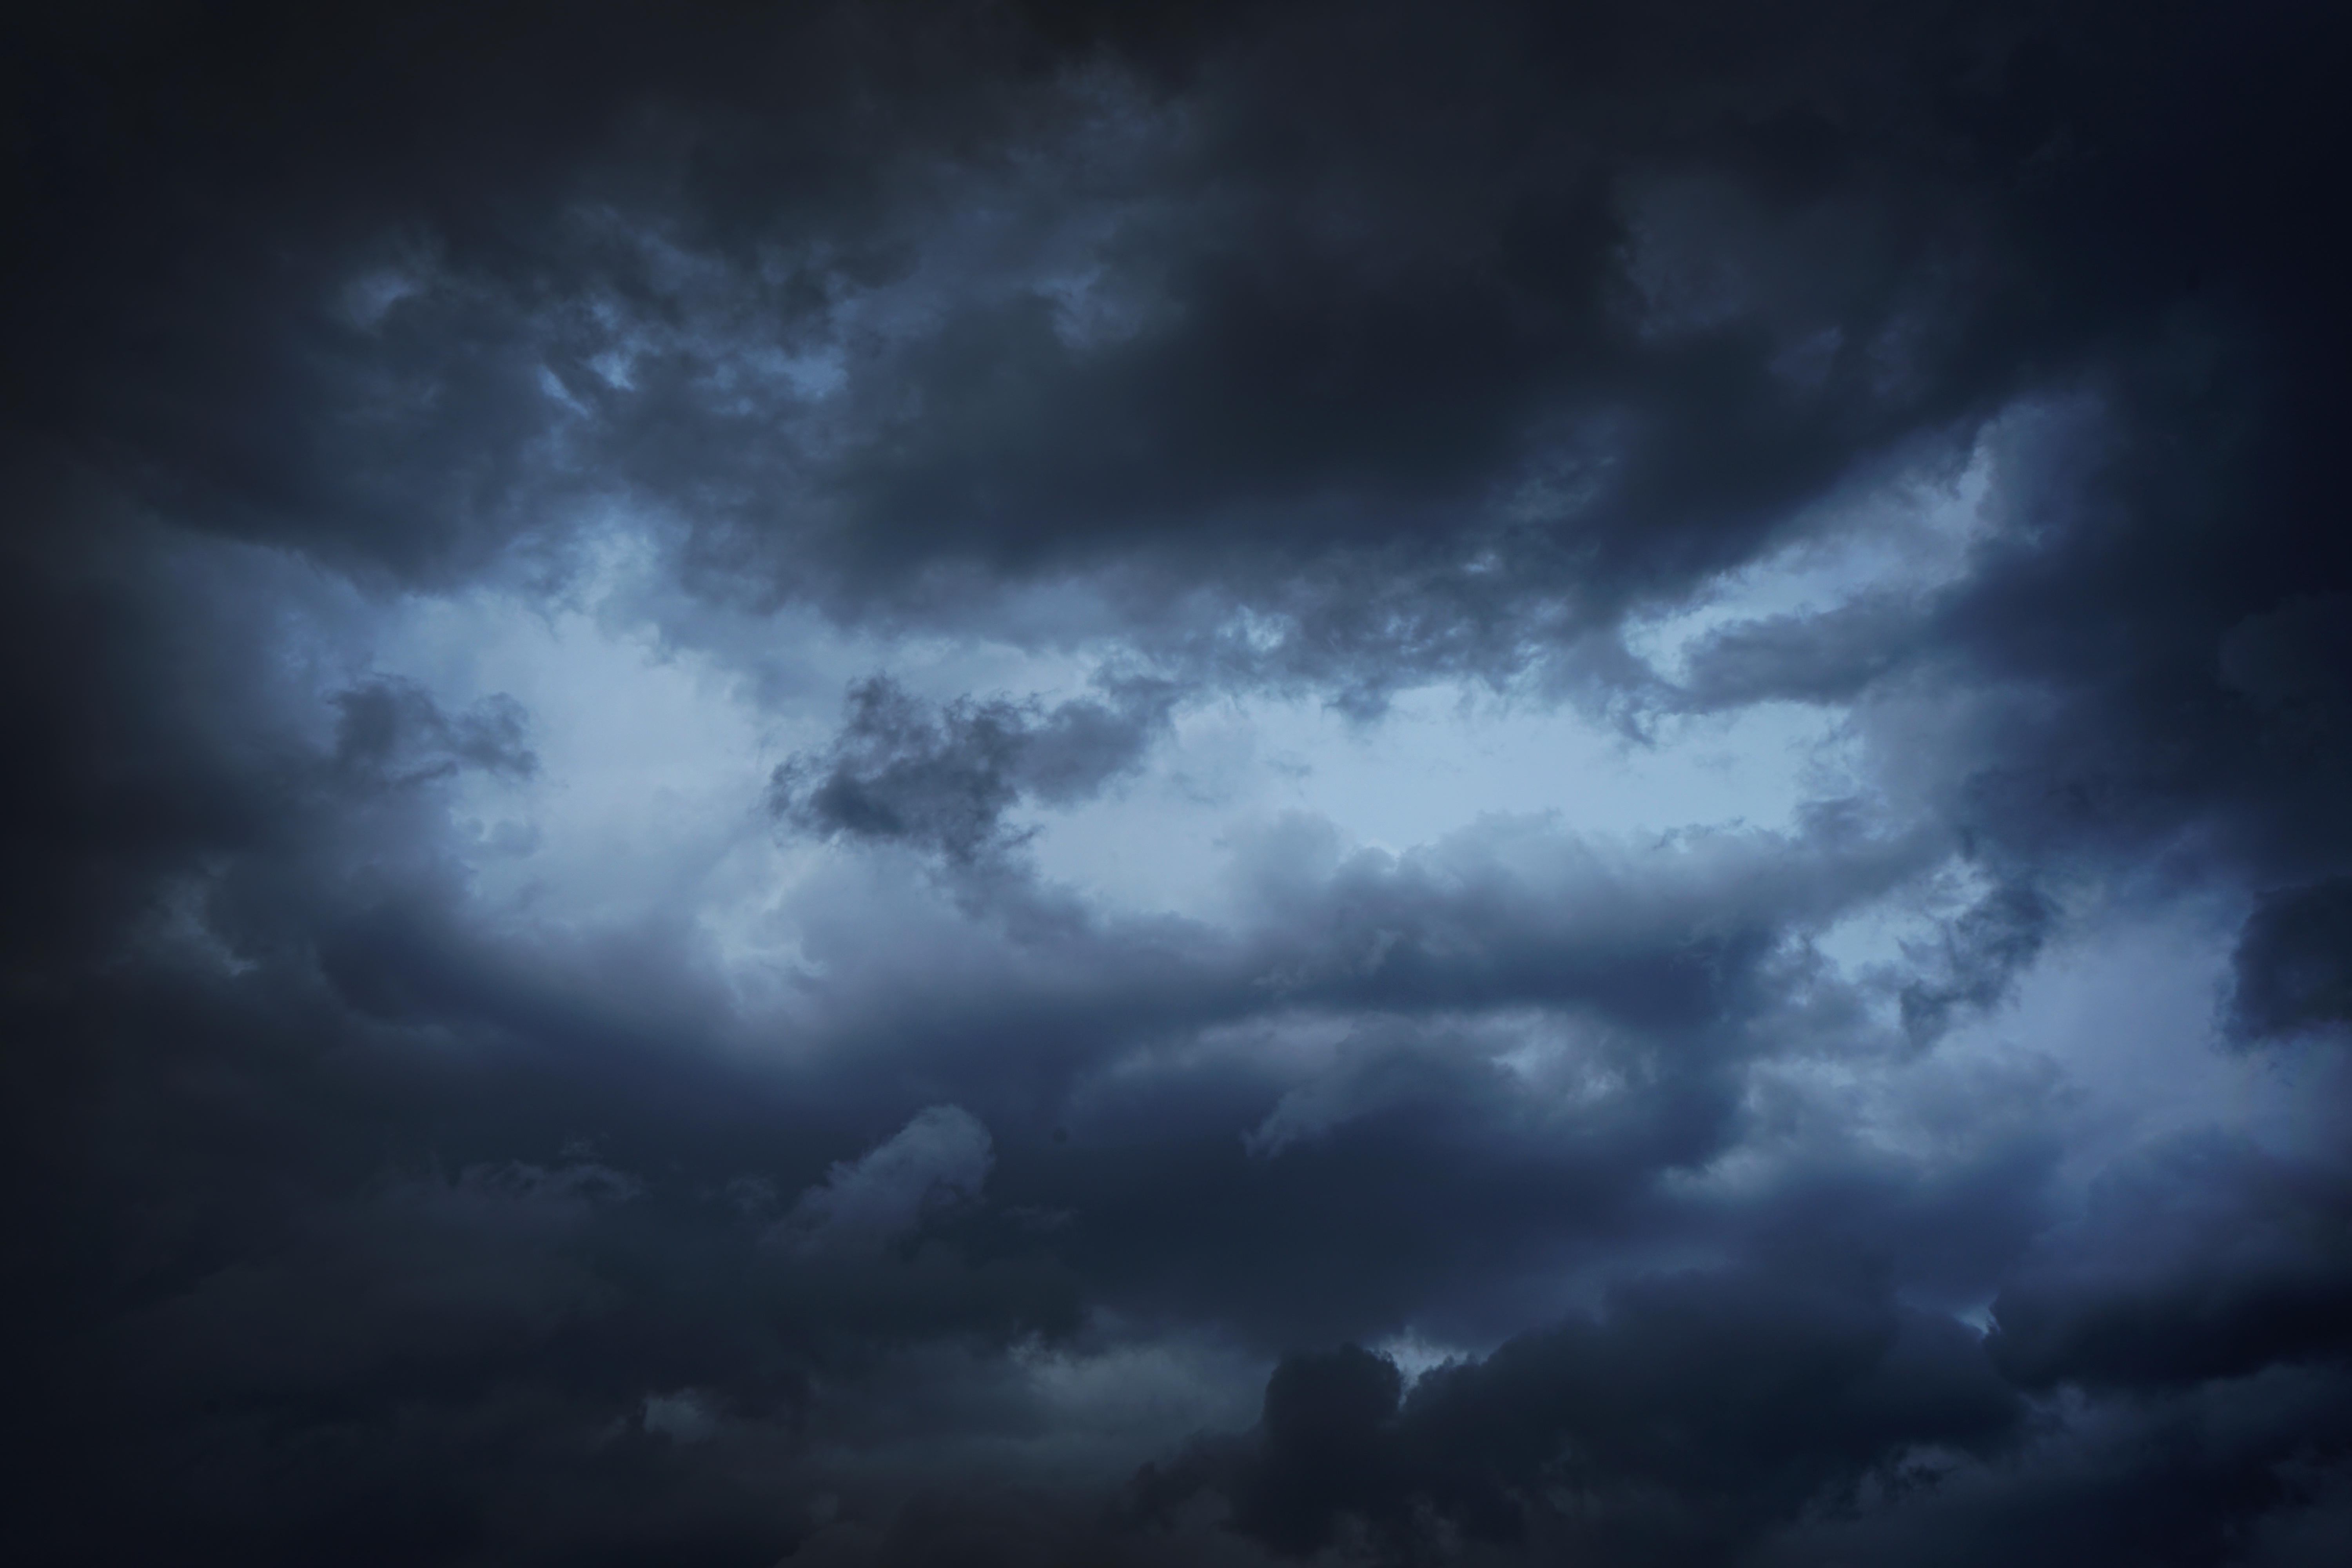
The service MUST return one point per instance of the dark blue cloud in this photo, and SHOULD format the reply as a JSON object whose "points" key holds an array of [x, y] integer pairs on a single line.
{"points": [[367, 1200]]}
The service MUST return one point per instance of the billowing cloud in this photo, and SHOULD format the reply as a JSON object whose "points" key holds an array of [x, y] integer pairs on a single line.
{"points": [[1700, 1410], [969, 780], [2293, 961]]}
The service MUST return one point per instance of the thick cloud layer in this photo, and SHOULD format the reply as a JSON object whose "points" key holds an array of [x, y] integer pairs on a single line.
{"points": [[972, 781], [1699, 1407]]}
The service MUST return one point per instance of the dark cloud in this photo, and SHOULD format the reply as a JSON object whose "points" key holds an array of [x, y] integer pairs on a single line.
{"points": [[393, 731], [1697, 1412], [942, 780], [382, 1183], [1322, 324], [1982, 952], [2204, 1261], [1825, 657], [2294, 962]]}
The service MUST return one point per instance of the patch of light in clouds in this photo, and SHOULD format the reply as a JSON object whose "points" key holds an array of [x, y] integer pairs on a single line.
{"points": [[654, 755], [1440, 759]]}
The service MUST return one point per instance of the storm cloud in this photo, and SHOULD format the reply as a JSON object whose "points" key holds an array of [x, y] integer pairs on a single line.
{"points": [[967, 781]]}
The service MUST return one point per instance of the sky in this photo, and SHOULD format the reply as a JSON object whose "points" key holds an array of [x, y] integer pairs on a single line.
{"points": [[949, 783]]}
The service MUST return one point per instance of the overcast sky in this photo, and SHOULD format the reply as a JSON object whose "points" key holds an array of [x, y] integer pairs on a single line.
{"points": [[1050, 784]]}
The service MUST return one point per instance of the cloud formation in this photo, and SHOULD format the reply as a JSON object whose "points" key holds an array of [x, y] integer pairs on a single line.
{"points": [[1700, 1408], [943, 782], [937, 1160], [1012, 780]]}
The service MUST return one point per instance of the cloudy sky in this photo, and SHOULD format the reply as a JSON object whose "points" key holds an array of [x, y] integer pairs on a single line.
{"points": [[1045, 784]]}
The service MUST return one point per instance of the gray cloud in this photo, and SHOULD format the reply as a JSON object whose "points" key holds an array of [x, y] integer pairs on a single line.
{"points": [[393, 731], [943, 779], [2294, 962], [1983, 951], [1742, 1398], [2203, 1261], [939, 1158], [373, 1197]]}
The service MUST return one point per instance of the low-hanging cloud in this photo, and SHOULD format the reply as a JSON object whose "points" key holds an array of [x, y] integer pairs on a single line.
{"points": [[486, 1087]]}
